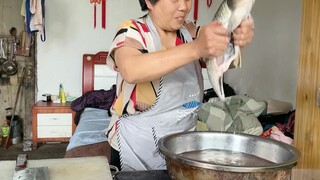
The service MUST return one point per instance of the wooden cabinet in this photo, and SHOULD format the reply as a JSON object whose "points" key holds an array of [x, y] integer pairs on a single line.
{"points": [[52, 122]]}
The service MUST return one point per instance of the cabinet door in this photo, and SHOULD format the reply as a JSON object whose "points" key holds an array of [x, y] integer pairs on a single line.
{"points": [[307, 120]]}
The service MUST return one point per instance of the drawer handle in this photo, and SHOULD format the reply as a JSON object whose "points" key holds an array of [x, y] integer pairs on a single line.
{"points": [[55, 118]]}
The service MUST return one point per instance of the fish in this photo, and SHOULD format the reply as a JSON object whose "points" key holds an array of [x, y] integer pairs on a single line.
{"points": [[230, 14]]}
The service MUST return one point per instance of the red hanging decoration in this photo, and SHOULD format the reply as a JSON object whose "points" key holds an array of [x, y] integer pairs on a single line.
{"points": [[95, 15], [209, 3], [103, 14], [195, 11]]}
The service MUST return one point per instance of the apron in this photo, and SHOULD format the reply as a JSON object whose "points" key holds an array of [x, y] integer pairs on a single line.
{"points": [[175, 110]]}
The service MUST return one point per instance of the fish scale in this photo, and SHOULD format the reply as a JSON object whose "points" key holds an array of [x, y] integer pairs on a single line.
{"points": [[223, 14]]}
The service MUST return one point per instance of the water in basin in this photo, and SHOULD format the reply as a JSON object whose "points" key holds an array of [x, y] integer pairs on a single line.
{"points": [[224, 157]]}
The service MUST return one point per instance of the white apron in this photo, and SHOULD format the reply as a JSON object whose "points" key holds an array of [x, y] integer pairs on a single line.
{"points": [[175, 110]]}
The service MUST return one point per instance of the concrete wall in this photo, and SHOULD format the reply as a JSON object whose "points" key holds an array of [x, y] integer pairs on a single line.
{"points": [[269, 63], [10, 17]]}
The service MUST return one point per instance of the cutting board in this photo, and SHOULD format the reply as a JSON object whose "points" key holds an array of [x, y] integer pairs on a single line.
{"points": [[86, 168]]}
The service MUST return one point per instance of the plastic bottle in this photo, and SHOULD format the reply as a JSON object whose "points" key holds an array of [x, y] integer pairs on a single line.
{"points": [[0, 136], [60, 90], [5, 131], [63, 97]]}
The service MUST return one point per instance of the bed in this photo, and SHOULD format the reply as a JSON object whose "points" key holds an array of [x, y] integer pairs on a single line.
{"points": [[89, 138]]}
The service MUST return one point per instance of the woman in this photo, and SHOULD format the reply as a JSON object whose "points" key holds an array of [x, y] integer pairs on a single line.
{"points": [[159, 84]]}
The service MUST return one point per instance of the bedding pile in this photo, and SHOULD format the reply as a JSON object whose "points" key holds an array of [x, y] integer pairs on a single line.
{"points": [[91, 129]]}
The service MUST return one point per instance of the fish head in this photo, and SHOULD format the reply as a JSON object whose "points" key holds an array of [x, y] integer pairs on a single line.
{"points": [[234, 4], [240, 10]]}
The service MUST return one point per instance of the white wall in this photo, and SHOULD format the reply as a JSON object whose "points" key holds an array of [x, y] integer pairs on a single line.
{"points": [[269, 69], [70, 34], [269, 63]]}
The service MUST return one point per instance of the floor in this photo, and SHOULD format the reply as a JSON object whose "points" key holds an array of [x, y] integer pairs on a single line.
{"points": [[44, 151]]}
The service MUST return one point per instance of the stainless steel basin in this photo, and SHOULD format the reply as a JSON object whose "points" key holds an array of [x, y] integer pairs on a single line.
{"points": [[227, 156]]}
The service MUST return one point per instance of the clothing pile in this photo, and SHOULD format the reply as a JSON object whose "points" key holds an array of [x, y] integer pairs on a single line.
{"points": [[100, 99], [278, 126]]}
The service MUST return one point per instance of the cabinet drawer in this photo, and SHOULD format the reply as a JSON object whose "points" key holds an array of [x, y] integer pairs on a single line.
{"points": [[54, 131], [54, 119]]}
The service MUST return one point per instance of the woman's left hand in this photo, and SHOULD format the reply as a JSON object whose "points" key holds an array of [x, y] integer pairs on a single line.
{"points": [[243, 35]]}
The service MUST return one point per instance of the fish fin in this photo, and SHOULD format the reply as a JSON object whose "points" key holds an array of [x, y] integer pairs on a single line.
{"points": [[225, 66], [215, 77]]}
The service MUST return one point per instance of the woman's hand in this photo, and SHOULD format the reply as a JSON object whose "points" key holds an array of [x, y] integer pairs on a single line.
{"points": [[243, 35], [212, 40]]}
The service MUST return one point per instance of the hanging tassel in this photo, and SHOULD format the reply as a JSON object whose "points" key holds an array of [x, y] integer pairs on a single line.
{"points": [[103, 14], [195, 11], [95, 2], [95, 16], [209, 3]]}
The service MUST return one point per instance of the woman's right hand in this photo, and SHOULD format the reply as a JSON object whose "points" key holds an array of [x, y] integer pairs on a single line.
{"points": [[212, 40]]}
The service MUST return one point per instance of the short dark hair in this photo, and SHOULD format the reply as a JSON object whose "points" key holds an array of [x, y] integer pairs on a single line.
{"points": [[144, 6]]}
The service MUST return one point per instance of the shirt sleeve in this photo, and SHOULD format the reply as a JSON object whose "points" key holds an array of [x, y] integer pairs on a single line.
{"points": [[128, 34]]}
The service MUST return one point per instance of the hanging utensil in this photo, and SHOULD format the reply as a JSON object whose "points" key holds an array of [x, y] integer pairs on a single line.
{"points": [[2, 57], [15, 104], [1, 70], [8, 66], [2, 54]]}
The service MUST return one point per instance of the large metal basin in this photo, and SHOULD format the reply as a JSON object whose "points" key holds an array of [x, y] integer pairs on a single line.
{"points": [[216, 155]]}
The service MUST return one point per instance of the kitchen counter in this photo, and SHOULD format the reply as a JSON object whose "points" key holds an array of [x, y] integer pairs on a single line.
{"points": [[65, 168]]}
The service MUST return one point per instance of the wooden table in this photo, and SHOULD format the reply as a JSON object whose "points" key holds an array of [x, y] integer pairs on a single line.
{"points": [[66, 168], [52, 122]]}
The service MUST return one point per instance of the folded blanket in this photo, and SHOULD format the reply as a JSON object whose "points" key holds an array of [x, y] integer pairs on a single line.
{"points": [[240, 117]]}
